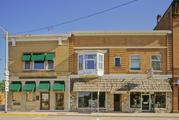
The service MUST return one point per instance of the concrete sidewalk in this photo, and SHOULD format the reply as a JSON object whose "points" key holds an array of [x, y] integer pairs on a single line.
{"points": [[151, 115]]}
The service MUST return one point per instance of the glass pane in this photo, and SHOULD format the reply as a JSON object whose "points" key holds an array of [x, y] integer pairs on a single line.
{"points": [[117, 62], [27, 65], [156, 65], [102, 99], [90, 64], [50, 65], [81, 62], [135, 100], [157, 58], [84, 99], [90, 56], [160, 100], [135, 63], [38, 65]]}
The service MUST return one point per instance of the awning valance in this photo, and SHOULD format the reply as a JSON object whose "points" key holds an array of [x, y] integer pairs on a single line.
{"points": [[50, 56], [26, 57], [44, 86], [29, 87], [58, 86], [15, 87], [38, 57]]}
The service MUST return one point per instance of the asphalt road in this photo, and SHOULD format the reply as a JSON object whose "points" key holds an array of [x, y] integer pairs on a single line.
{"points": [[79, 118]]}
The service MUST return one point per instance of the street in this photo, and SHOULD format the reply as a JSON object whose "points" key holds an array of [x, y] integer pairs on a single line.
{"points": [[81, 118]]}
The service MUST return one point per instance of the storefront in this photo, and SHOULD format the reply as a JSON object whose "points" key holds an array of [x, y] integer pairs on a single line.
{"points": [[44, 95], [122, 96]]}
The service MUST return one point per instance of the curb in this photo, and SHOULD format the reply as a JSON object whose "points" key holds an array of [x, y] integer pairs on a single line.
{"points": [[22, 114]]}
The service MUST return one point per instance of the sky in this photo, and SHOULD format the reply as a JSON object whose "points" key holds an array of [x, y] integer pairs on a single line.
{"points": [[17, 16]]}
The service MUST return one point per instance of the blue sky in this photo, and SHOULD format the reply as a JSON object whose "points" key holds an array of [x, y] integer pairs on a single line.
{"points": [[22, 15]]}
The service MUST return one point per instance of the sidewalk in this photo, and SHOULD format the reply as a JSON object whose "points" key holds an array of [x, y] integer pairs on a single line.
{"points": [[151, 115]]}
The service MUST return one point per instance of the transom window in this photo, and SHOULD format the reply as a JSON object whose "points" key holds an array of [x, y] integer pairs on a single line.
{"points": [[156, 62], [135, 62], [117, 61]]}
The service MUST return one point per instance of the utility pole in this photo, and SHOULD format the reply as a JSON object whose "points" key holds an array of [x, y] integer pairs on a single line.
{"points": [[6, 66]]}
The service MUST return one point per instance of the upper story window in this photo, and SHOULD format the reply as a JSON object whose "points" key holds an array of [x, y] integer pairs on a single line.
{"points": [[90, 62], [38, 61], [117, 61], [135, 62], [156, 62]]}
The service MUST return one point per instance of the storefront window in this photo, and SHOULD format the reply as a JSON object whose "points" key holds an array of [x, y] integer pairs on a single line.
{"points": [[135, 100], [89, 99], [160, 100]]}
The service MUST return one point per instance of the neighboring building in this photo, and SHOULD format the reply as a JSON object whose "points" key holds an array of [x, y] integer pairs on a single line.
{"points": [[111, 71], [170, 21], [38, 66]]}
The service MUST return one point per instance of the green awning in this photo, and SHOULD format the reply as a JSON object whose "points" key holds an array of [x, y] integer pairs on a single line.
{"points": [[26, 57], [29, 87], [44, 86], [15, 87], [58, 86], [50, 56], [38, 57]]}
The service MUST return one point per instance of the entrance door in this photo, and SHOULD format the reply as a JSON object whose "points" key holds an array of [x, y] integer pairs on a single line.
{"points": [[59, 98], [117, 105], [145, 102], [45, 101]]}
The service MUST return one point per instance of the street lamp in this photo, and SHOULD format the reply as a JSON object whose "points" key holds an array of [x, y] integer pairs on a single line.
{"points": [[6, 67]]}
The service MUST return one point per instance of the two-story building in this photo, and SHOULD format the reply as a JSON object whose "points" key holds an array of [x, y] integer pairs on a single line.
{"points": [[39, 72], [120, 71]]}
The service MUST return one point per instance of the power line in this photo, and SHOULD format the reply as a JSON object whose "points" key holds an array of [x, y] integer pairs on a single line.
{"points": [[78, 19]]}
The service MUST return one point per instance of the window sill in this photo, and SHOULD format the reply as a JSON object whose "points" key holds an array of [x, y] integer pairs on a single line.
{"points": [[38, 70]]}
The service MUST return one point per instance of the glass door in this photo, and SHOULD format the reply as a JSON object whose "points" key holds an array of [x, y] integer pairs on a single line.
{"points": [[59, 98], [145, 102], [45, 101]]}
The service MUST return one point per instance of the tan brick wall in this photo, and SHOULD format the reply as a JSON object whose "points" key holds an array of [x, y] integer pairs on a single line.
{"points": [[61, 59]]}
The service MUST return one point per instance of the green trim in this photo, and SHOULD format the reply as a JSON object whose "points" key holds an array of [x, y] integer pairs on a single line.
{"points": [[50, 56], [44, 86], [58, 86], [15, 87], [26, 57], [38, 57], [29, 87]]}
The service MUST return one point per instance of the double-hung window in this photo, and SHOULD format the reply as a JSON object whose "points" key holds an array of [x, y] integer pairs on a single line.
{"points": [[135, 62], [156, 62]]}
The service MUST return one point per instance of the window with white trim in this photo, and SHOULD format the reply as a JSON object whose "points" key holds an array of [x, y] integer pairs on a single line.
{"points": [[91, 63], [156, 62], [135, 62]]}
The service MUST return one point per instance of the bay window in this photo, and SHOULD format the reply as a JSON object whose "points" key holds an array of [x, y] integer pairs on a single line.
{"points": [[91, 63]]}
